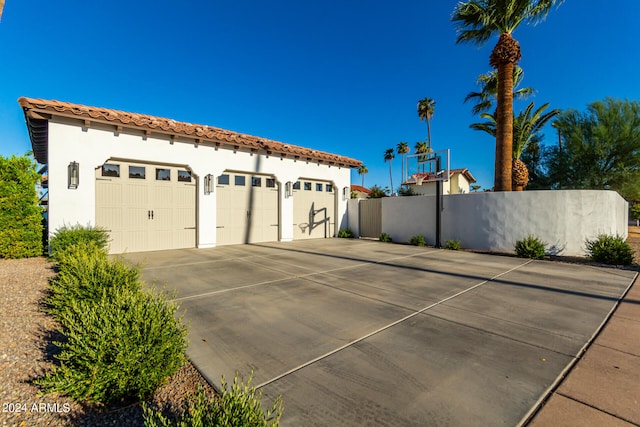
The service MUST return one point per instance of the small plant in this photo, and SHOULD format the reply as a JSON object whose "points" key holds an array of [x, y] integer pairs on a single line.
{"points": [[119, 347], [384, 237], [609, 249], [453, 245], [238, 406], [346, 233], [67, 236], [530, 247], [418, 240]]}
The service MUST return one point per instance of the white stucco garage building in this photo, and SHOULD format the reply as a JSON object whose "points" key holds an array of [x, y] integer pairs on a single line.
{"points": [[158, 184]]}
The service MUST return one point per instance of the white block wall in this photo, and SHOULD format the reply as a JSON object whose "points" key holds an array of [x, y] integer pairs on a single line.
{"points": [[494, 221]]}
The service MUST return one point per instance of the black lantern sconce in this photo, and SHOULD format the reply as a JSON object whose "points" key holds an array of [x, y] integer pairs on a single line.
{"points": [[73, 175]]}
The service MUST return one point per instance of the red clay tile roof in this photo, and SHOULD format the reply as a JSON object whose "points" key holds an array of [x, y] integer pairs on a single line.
{"points": [[360, 188], [430, 177], [168, 126]]}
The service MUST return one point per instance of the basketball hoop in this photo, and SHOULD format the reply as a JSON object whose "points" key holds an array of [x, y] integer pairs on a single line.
{"points": [[418, 178]]}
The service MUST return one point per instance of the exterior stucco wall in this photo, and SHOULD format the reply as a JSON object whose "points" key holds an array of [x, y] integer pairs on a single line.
{"points": [[494, 221], [93, 146]]}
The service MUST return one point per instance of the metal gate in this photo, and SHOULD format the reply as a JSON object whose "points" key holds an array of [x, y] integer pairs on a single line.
{"points": [[370, 217]]}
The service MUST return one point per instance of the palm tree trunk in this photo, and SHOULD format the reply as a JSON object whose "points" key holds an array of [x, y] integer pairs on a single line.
{"points": [[429, 131], [504, 57], [391, 176], [362, 180], [504, 135]]}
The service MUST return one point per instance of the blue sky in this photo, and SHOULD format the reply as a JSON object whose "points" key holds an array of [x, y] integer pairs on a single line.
{"points": [[339, 76]]}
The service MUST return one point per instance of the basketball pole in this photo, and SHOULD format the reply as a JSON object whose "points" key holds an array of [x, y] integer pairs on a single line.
{"points": [[438, 204]]}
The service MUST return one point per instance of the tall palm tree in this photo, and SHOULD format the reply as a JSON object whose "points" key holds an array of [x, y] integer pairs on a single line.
{"points": [[527, 126], [426, 107], [488, 82], [422, 147], [362, 171], [402, 149], [388, 157], [477, 21]]}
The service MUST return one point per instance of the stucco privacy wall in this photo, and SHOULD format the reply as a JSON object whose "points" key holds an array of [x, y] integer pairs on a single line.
{"points": [[92, 146], [494, 221]]}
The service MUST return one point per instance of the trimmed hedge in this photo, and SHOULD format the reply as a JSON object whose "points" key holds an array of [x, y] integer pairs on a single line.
{"points": [[67, 236], [119, 347], [20, 215], [86, 274], [121, 342]]}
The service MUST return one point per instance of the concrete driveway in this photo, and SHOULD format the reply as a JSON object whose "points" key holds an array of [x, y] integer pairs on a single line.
{"points": [[356, 332]]}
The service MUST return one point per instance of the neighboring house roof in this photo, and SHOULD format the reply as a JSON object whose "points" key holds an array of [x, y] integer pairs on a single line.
{"points": [[39, 111], [431, 177], [360, 188]]}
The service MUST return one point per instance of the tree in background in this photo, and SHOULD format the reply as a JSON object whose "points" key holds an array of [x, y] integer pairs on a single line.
{"points": [[388, 157], [527, 130], [422, 147], [377, 192], [362, 171], [600, 149], [485, 100], [426, 107], [20, 215], [479, 20], [402, 149]]}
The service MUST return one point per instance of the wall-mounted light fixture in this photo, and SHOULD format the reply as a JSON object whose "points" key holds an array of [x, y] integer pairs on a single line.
{"points": [[346, 193], [73, 175], [208, 184], [288, 189]]}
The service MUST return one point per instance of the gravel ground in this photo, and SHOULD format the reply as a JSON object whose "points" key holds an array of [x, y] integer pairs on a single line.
{"points": [[25, 342]]}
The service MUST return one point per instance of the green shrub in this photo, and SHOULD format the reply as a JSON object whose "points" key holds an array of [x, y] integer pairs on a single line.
{"points": [[20, 215], [530, 247], [86, 273], [609, 250], [239, 406], [453, 245], [118, 347], [418, 240], [67, 236], [384, 237], [346, 233]]}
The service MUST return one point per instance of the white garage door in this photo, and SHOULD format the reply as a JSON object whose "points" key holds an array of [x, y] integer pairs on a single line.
{"points": [[247, 209], [313, 209], [146, 207]]}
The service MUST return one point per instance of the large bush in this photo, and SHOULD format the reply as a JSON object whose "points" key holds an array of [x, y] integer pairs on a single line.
{"points": [[20, 215], [609, 250], [67, 236], [239, 406], [85, 273], [119, 347]]}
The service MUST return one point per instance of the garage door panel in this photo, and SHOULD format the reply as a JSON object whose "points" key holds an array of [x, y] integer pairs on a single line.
{"points": [[313, 210], [246, 213], [146, 214]]}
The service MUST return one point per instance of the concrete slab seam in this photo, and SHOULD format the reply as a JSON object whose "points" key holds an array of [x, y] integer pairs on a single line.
{"points": [[555, 384], [360, 264], [383, 328], [293, 276], [594, 407]]}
